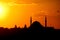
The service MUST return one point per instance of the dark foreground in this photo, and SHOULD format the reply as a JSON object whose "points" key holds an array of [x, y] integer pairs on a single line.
{"points": [[35, 29]]}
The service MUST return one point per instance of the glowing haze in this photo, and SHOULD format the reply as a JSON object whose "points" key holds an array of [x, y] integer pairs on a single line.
{"points": [[4, 8], [19, 11]]}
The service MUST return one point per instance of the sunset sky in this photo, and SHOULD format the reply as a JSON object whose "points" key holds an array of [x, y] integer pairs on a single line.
{"points": [[19, 11]]}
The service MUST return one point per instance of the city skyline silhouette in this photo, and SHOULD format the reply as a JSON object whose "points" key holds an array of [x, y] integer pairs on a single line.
{"points": [[21, 18], [35, 27]]}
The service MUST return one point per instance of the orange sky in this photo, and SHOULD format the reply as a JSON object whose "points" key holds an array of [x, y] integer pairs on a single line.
{"points": [[21, 10]]}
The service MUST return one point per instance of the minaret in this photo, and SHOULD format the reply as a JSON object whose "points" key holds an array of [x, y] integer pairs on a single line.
{"points": [[30, 20], [45, 21]]}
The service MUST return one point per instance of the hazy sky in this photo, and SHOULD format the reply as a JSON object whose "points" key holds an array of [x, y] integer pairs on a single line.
{"points": [[21, 10]]}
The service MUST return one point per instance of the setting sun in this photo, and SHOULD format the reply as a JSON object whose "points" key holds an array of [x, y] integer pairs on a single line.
{"points": [[3, 10]]}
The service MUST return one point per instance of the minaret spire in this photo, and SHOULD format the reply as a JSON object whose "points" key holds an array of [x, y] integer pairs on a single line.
{"points": [[45, 21], [30, 20]]}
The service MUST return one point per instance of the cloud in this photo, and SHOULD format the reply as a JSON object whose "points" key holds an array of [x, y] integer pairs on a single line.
{"points": [[12, 4]]}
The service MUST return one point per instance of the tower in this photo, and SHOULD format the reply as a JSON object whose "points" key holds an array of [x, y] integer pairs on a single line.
{"points": [[30, 20], [45, 21], [15, 26]]}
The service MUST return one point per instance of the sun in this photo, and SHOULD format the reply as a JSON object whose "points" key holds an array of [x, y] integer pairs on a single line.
{"points": [[3, 10]]}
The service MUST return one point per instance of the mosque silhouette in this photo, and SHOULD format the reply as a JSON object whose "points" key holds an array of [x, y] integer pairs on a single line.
{"points": [[35, 27]]}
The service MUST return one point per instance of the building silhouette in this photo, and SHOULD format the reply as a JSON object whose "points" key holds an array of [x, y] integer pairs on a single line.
{"points": [[15, 26], [36, 27]]}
